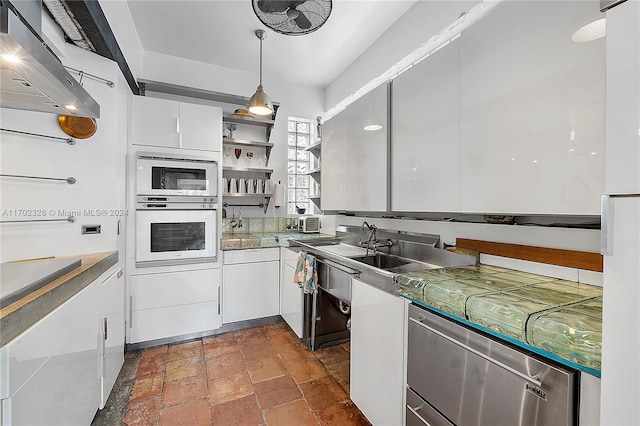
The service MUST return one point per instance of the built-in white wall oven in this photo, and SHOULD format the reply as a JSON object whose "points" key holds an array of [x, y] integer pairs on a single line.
{"points": [[173, 230], [167, 175]]}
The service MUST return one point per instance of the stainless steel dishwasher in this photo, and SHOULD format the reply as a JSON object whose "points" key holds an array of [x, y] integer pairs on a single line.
{"points": [[328, 311], [457, 375]]}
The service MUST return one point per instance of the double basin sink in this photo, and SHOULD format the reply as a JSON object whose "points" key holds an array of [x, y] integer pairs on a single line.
{"points": [[384, 261], [379, 268]]}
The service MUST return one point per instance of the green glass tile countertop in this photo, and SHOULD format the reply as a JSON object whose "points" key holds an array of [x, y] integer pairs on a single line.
{"points": [[563, 318], [572, 332], [244, 240]]}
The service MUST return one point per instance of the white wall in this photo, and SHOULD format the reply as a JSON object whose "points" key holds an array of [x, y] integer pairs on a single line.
{"points": [[97, 163], [413, 29]]}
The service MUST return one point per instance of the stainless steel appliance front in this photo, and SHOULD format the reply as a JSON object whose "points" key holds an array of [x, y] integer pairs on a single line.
{"points": [[460, 376], [327, 312]]}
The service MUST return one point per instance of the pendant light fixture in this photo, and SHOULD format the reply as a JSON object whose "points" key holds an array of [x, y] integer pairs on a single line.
{"points": [[260, 103]]}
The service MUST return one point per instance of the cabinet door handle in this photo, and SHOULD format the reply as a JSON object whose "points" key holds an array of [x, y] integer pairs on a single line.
{"points": [[415, 413], [101, 347], [606, 226], [130, 311], [534, 380], [218, 300], [105, 328]]}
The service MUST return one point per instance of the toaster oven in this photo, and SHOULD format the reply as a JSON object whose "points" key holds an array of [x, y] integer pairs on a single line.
{"points": [[309, 224]]}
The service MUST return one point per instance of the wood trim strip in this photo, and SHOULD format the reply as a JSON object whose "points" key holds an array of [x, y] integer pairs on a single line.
{"points": [[569, 258]]}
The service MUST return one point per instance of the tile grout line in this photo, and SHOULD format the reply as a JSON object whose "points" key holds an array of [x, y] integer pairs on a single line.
{"points": [[238, 344]]}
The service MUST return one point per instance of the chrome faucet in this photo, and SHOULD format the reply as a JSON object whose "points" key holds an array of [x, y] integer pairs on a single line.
{"points": [[372, 236], [372, 241]]}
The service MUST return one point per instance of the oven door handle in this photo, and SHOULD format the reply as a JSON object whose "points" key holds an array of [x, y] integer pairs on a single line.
{"points": [[342, 268], [415, 413], [534, 380]]}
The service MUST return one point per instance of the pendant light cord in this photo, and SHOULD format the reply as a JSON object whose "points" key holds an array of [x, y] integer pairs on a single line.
{"points": [[260, 61]]}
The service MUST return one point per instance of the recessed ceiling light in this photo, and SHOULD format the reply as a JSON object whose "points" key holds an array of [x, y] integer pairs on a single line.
{"points": [[71, 107], [372, 127], [11, 58], [593, 153], [572, 150], [592, 31]]}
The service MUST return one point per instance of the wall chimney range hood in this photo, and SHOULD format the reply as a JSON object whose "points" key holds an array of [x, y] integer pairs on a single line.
{"points": [[31, 76]]}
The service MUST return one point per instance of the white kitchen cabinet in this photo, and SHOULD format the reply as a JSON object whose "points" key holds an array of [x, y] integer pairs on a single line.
{"points": [[112, 330], [377, 353], [425, 141], [162, 122], [52, 372], [334, 165], [154, 122], [532, 111], [251, 284], [200, 127], [354, 160], [589, 414], [291, 295], [620, 314], [173, 304], [622, 167]]}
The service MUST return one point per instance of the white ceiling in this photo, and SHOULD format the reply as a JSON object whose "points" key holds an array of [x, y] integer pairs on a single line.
{"points": [[221, 32]]}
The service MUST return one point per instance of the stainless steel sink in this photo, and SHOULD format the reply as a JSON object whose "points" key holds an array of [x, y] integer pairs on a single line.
{"points": [[403, 252], [382, 261]]}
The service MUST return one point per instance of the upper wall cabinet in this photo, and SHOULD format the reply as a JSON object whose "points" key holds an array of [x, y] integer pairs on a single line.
{"points": [[425, 135], [354, 156], [532, 111], [161, 122], [623, 99], [334, 167]]}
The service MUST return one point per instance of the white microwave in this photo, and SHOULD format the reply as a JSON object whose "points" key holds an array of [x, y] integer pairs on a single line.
{"points": [[167, 175]]}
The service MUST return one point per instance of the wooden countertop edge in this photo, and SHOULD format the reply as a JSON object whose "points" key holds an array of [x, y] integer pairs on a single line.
{"points": [[23, 313]]}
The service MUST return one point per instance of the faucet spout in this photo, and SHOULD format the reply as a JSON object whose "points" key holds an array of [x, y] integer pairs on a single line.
{"points": [[365, 224], [371, 241]]}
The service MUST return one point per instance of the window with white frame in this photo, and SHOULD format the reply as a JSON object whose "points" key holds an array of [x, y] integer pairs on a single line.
{"points": [[299, 184]]}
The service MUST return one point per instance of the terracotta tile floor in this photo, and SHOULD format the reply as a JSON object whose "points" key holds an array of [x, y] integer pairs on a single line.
{"points": [[257, 376]]}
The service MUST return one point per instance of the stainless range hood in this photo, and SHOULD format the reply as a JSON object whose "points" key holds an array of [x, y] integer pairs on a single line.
{"points": [[32, 77]]}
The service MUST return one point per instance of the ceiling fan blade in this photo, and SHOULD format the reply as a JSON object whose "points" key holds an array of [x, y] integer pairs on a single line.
{"points": [[295, 3], [272, 6], [302, 21]]}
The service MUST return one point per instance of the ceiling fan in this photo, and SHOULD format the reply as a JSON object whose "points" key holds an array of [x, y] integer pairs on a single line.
{"points": [[292, 17]]}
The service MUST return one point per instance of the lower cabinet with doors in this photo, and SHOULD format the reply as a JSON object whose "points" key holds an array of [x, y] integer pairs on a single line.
{"points": [[172, 304], [111, 334], [377, 353], [291, 296], [250, 284], [62, 369]]}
